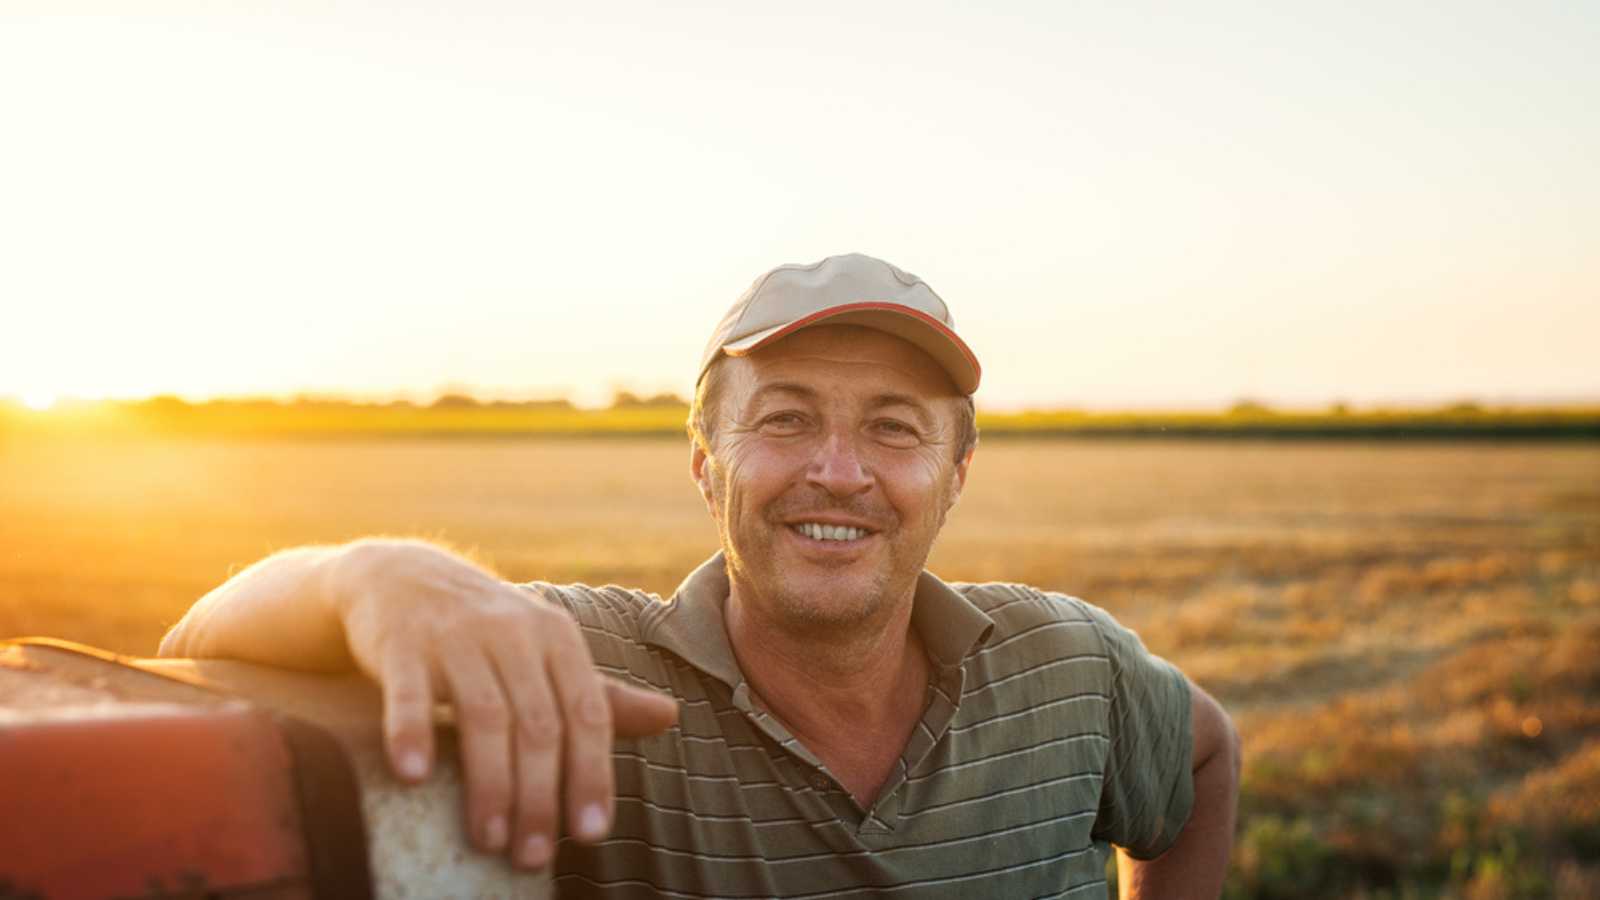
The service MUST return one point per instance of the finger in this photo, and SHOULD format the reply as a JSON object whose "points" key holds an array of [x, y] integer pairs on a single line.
{"points": [[407, 715], [586, 750], [638, 712], [536, 749], [483, 720]]}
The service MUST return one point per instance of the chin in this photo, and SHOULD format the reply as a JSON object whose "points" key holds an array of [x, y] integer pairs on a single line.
{"points": [[810, 596], [829, 603]]}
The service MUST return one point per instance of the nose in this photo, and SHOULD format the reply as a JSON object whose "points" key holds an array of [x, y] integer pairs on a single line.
{"points": [[837, 467]]}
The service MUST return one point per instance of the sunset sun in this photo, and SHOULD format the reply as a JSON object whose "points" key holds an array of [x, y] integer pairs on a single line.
{"points": [[39, 402]]}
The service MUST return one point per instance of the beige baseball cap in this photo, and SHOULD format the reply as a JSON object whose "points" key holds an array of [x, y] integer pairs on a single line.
{"points": [[852, 289]]}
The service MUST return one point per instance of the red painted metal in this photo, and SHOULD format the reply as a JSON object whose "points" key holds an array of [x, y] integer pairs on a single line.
{"points": [[149, 800]]}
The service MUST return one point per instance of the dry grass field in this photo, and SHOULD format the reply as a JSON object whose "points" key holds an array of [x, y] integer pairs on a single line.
{"points": [[1408, 634]]}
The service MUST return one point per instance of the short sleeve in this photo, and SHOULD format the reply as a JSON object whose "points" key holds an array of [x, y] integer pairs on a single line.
{"points": [[1148, 790], [609, 619]]}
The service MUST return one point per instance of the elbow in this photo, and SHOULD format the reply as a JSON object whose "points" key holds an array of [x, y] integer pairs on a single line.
{"points": [[1227, 764], [1229, 752], [1233, 747], [1219, 749]]}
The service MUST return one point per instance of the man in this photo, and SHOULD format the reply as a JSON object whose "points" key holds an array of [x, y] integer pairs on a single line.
{"points": [[846, 723]]}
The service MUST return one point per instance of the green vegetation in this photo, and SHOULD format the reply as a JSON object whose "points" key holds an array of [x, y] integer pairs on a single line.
{"points": [[451, 415], [664, 414], [1456, 421]]}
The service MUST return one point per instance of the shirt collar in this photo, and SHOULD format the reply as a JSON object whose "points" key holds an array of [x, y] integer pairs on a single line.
{"points": [[692, 626]]}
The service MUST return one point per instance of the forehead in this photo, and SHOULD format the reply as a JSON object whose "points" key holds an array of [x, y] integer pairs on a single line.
{"points": [[848, 354]]}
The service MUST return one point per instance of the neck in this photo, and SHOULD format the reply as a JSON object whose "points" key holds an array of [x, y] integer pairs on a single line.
{"points": [[852, 697], [845, 670]]}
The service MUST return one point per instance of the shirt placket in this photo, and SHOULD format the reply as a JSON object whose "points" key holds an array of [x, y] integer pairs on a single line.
{"points": [[815, 772], [943, 700]]}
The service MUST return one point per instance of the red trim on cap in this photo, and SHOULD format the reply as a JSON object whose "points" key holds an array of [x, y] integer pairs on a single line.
{"points": [[796, 325]]}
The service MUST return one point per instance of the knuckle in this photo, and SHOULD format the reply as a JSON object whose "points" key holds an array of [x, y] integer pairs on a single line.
{"points": [[482, 714], [588, 777], [488, 791], [408, 727], [536, 803], [490, 787], [536, 814], [489, 797], [591, 708], [409, 696], [509, 616], [538, 729]]}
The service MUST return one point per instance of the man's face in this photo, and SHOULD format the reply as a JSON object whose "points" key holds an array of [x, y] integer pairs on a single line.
{"points": [[831, 473]]}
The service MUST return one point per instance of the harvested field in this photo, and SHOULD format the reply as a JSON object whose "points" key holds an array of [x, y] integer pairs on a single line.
{"points": [[1408, 634]]}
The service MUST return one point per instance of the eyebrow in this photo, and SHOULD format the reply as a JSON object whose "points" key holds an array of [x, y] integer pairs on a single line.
{"points": [[783, 387], [917, 406]]}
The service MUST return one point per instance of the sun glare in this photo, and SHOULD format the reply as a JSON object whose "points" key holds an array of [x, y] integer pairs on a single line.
{"points": [[38, 402]]}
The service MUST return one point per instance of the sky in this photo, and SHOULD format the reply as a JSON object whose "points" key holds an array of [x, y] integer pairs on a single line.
{"points": [[1125, 204]]}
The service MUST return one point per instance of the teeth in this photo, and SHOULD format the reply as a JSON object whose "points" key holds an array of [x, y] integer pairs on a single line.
{"points": [[819, 532]]}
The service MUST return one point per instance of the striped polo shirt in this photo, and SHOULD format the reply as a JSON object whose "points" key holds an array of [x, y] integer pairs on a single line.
{"points": [[1048, 733]]}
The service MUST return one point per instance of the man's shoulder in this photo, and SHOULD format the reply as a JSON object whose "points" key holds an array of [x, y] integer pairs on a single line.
{"points": [[1025, 615], [611, 618], [1014, 605], [610, 608]]}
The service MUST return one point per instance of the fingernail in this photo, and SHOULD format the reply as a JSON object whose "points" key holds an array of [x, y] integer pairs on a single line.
{"points": [[535, 851], [412, 765], [494, 833], [592, 822]]}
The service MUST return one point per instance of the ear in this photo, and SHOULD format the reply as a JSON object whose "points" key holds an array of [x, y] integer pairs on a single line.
{"points": [[960, 476], [699, 471]]}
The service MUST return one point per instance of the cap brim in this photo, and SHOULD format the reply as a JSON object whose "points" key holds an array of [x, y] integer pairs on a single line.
{"points": [[925, 332]]}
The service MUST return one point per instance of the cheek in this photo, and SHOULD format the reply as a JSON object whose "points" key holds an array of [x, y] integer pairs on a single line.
{"points": [[766, 467], [745, 481], [916, 485], [719, 488]]}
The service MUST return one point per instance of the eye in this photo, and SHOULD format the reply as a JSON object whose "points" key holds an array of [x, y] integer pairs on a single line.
{"points": [[783, 423], [896, 433]]}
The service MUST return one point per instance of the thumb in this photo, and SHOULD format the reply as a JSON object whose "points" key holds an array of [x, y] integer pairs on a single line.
{"points": [[636, 712]]}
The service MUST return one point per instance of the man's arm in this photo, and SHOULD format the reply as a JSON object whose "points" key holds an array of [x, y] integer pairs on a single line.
{"points": [[278, 611], [535, 718], [1194, 866]]}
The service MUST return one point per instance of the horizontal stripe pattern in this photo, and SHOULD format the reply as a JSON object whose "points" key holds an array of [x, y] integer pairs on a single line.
{"points": [[1008, 786]]}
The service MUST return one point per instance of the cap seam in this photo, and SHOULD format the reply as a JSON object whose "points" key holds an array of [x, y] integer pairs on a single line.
{"points": [[755, 290]]}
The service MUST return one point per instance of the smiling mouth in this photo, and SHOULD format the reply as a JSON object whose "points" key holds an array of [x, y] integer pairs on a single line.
{"points": [[817, 531]]}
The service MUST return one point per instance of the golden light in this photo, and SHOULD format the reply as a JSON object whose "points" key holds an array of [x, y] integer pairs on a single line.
{"points": [[38, 402]]}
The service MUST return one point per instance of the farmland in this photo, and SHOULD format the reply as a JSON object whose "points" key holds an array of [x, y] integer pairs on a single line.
{"points": [[459, 415], [1407, 633]]}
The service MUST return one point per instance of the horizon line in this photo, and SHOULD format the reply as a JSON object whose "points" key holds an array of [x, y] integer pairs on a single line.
{"points": [[461, 398]]}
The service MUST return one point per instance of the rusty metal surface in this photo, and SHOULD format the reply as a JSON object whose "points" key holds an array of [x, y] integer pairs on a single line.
{"points": [[416, 841]]}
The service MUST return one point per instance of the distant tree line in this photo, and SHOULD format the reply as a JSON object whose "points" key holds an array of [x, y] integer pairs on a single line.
{"points": [[170, 403]]}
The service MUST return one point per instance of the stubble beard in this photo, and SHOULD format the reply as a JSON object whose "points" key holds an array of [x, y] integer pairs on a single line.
{"points": [[826, 608], [814, 606]]}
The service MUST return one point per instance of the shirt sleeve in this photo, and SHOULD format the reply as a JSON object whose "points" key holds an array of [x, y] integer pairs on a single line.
{"points": [[609, 619], [1148, 791]]}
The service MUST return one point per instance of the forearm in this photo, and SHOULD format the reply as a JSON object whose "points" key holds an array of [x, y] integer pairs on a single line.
{"points": [[1196, 863], [281, 611]]}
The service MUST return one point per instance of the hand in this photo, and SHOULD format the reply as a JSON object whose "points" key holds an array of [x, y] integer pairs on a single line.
{"points": [[535, 718]]}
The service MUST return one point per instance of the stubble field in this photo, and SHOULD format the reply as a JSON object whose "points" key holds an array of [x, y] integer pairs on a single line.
{"points": [[1407, 634]]}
